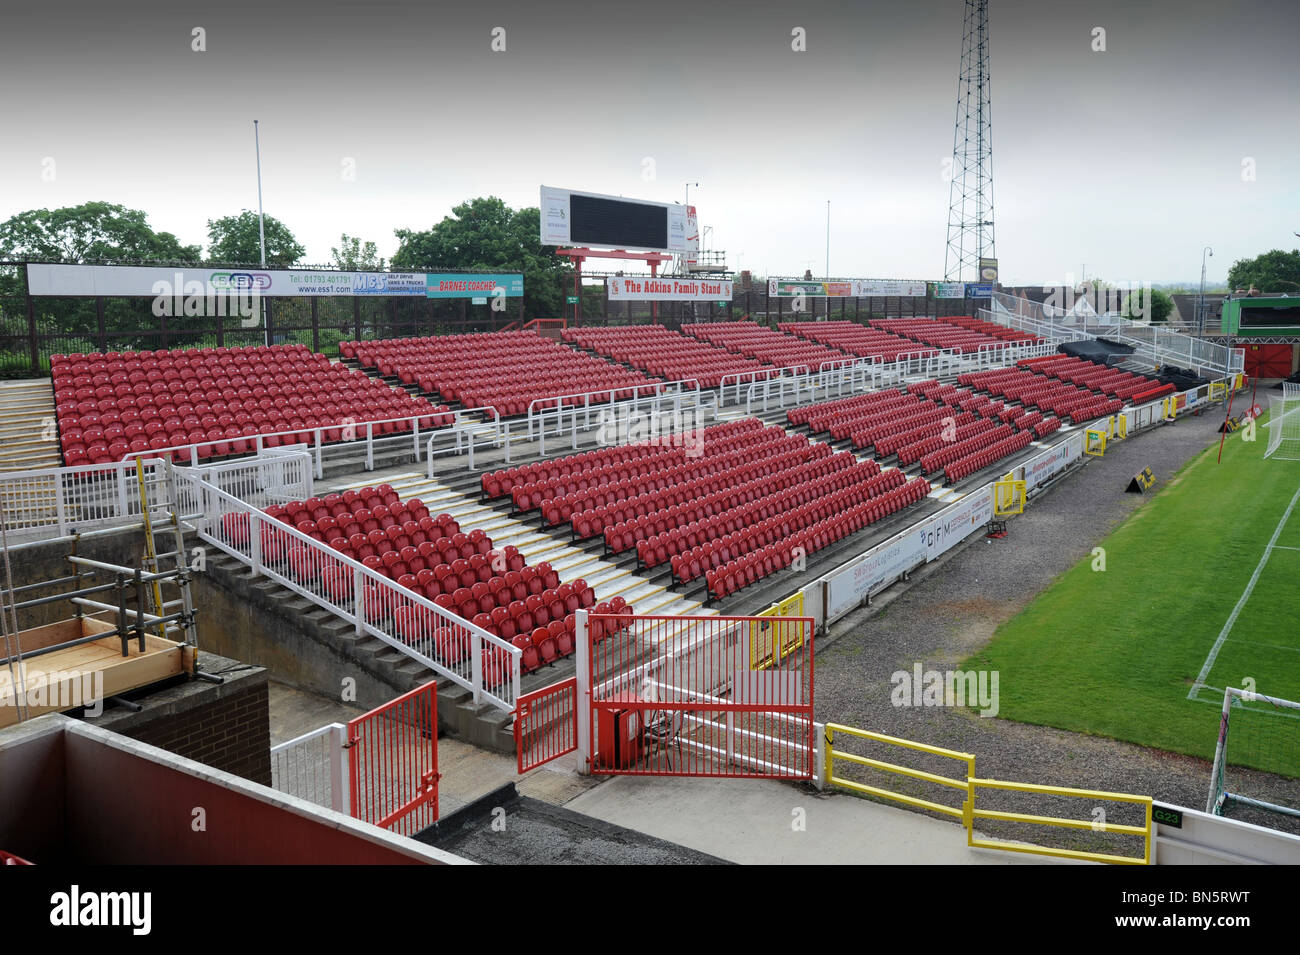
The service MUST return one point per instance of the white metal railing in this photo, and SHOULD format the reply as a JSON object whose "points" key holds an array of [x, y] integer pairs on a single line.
{"points": [[410, 623], [55, 502], [276, 476], [1155, 344], [570, 417], [314, 767], [465, 434], [738, 380], [346, 436]]}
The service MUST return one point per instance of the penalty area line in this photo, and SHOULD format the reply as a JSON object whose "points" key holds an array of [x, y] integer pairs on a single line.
{"points": [[1245, 596]]}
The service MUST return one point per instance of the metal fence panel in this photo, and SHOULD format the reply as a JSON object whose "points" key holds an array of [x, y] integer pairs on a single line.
{"points": [[393, 756], [702, 696]]}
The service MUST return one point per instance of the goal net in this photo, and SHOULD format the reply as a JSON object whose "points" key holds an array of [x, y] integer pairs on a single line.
{"points": [[1259, 741], [1284, 424]]}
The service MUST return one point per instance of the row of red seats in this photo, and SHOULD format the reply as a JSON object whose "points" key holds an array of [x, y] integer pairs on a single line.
{"points": [[857, 339], [943, 333], [1030, 389], [109, 408], [766, 345], [1110, 381], [594, 521], [841, 420], [677, 465], [1028, 420], [499, 483], [690, 564], [909, 454], [934, 426], [992, 329], [878, 432], [965, 466], [822, 418], [667, 354], [562, 508], [622, 535], [937, 459], [507, 371], [1046, 426], [938, 334], [653, 551], [742, 571], [548, 644]]}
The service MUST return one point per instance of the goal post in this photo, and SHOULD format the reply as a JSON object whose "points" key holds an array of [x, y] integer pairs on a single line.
{"points": [[1264, 738], [1284, 424]]}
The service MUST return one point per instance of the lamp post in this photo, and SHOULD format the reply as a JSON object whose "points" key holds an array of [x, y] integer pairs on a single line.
{"points": [[261, 228], [828, 249], [1200, 305], [688, 195]]}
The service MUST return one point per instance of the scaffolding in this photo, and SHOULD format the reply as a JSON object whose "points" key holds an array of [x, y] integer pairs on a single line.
{"points": [[141, 618]]}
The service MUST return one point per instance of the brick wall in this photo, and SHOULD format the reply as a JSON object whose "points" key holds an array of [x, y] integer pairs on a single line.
{"points": [[226, 726], [232, 734]]}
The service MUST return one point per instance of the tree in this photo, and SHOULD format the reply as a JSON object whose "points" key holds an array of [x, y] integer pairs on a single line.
{"points": [[92, 231], [485, 233], [1274, 271], [354, 256], [234, 239], [1137, 307]]}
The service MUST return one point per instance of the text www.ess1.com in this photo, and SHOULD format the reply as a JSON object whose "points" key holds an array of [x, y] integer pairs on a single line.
{"points": [[1179, 920]]}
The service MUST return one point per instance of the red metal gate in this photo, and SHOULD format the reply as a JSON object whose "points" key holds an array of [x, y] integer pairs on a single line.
{"points": [[546, 724], [702, 696], [393, 755]]}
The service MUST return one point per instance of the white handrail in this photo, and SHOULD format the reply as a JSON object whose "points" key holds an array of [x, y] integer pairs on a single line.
{"points": [[470, 430], [347, 425], [376, 601]]}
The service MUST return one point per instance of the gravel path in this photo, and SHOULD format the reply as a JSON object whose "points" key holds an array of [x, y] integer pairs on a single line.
{"points": [[952, 610]]}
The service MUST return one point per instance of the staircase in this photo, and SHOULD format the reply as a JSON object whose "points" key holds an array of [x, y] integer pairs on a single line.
{"points": [[609, 577], [27, 436]]}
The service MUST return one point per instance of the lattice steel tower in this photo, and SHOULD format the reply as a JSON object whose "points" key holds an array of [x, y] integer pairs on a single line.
{"points": [[970, 198]]}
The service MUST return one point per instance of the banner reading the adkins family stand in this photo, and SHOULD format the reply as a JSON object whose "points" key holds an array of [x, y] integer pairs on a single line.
{"points": [[645, 289]]}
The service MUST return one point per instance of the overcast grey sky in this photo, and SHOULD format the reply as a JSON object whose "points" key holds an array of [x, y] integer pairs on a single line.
{"points": [[1127, 161]]}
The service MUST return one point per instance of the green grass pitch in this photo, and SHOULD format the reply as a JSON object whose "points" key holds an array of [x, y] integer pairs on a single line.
{"points": [[1128, 652]]}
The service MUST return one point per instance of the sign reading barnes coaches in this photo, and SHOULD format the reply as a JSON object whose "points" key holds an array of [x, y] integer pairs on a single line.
{"points": [[641, 289], [454, 285], [131, 280]]}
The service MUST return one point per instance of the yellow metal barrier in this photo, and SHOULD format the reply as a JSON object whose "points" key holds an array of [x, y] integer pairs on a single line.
{"points": [[970, 786], [1008, 497], [1094, 442], [769, 643], [1121, 427], [831, 755], [975, 813], [1218, 390]]}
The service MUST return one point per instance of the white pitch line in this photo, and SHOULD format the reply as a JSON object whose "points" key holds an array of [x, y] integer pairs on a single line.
{"points": [[1250, 587]]}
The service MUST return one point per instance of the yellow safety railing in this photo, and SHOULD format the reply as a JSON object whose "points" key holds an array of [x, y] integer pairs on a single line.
{"points": [[1218, 390], [1094, 441], [1009, 497], [970, 786], [831, 754], [769, 643], [1143, 830]]}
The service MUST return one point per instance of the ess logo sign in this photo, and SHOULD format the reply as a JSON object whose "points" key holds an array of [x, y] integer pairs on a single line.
{"points": [[240, 281]]}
